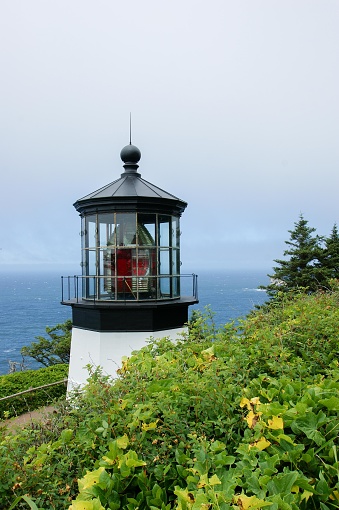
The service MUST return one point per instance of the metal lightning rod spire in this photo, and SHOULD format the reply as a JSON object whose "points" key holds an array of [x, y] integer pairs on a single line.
{"points": [[130, 128]]}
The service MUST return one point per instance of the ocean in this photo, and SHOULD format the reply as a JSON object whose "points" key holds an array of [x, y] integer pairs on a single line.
{"points": [[30, 301]]}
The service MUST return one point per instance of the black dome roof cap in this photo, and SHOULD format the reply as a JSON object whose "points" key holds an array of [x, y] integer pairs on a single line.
{"points": [[130, 154]]}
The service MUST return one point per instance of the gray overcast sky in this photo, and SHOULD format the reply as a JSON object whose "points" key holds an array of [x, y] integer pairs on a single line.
{"points": [[234, 106]]}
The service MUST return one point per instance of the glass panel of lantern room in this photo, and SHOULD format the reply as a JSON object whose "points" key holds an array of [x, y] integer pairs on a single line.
{"points": [[107, 241], [106, 283], [164, 230], [145, 262], [175, 232], [88, 257], [88, 240], [108, 286], [164, 269], [106, 230], [91, 232], [126, 229], [83, 245], [165, 240], [175, 272], [146, 229], [144, 270], [91, 278]]}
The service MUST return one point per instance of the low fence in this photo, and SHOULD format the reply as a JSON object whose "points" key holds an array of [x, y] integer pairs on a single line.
{"points": [[34, 389], [31, 399]]}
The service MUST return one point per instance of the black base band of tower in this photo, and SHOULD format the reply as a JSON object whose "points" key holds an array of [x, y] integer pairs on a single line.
{"points": [[147, 317]]}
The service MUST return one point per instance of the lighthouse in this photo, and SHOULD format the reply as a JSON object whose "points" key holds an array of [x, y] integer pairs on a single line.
{"points": [[130, 288]]}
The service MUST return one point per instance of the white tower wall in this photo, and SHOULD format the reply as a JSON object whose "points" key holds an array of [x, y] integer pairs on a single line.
{"points": [[106, 349]]}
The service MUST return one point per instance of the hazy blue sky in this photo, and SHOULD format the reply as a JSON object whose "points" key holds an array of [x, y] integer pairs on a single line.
{"points": [[235, 110]]}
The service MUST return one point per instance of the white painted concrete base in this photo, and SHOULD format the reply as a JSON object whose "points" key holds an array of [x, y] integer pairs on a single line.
{"points": [[106, 350]]}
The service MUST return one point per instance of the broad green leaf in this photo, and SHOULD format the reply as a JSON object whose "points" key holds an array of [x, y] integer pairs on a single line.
{"points": [[131, 460], [253, 485], [282, 484], [322, 486], [222, 459], [267, 466], [203, 481], [122, 442], [201, 502], [214, 480], [184, 494], [201, 455], [280, 503], [180, 457], [286, 438], [66, 435], [135, 463], [91, 478], [289, 390], [124, 470], [331, 403], [108, 460], [305, 485], [309, 424], [250, 502], [149, 426], [86, 505], [217, 446]]}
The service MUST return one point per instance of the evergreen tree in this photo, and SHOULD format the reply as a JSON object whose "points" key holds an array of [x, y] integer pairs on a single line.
{"points": [[329, 261], [302, 266]]}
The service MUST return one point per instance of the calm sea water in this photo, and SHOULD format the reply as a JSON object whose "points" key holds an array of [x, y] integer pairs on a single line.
{"points": [[31, 301]]}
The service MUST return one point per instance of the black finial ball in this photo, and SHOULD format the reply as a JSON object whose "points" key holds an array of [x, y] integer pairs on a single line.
{"points": [[130, 154]]}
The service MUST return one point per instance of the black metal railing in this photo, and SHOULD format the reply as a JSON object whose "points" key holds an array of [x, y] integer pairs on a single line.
{"points": [[127, 288]]}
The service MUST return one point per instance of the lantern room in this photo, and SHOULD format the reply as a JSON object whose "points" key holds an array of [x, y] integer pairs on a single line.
{"points": [[133, 255], [130, 257]]}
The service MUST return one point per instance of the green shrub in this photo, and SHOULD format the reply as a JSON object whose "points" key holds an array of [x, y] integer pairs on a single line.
{"points": [[297, 330], [246, 417], [20, 381]]}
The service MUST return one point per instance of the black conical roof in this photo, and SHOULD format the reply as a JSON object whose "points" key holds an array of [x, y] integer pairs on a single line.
{"points": [[129, 185], [130, 191]]}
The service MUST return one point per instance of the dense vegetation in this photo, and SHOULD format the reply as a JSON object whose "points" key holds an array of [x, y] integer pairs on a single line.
{"points": [[246, 417], [19, 381], [310, 262]]}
